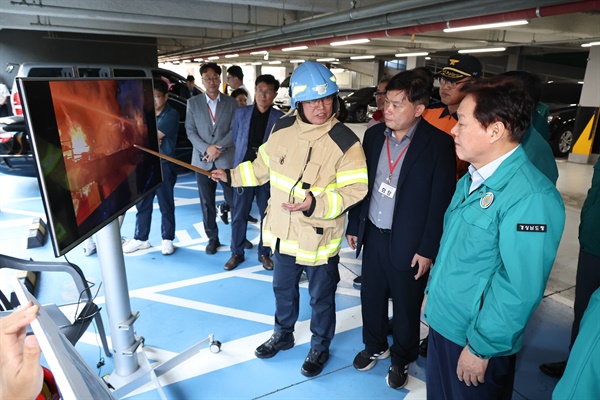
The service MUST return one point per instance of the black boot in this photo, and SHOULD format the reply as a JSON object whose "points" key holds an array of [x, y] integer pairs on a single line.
{"points": [[278, 341], [555, 369], [313, 365]]}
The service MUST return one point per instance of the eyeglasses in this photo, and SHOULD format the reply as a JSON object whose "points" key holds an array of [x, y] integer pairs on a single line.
{"points": [[379, 94], [453, 85], [213, 79], [327, 101]]}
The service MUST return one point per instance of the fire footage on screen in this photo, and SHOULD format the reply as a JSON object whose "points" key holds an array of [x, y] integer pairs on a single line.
{"points": [[83, 134]]}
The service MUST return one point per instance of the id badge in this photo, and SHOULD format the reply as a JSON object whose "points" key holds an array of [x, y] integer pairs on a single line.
{"points": [[387, 190]]}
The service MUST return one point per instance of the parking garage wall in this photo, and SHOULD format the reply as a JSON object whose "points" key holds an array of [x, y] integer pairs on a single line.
{"points": [[18, 46]]}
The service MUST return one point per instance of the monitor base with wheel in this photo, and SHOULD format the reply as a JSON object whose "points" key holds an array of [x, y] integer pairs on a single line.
{"points": [[148, 373], [132, 367]]}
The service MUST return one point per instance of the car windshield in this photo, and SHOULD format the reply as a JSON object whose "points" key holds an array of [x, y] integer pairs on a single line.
{"points": [[368, 91], [561, 93]]}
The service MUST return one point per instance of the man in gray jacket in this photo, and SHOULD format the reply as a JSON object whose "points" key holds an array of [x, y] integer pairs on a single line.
{"points": [[208, 124]]}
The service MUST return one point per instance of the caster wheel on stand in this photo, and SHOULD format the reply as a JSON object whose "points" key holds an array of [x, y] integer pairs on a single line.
{"points": [[215, 346]]}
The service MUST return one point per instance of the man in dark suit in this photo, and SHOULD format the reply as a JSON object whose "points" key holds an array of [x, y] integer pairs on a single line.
{"points": [[252, 126], [208, 124], [190, 90], [412, 170]]}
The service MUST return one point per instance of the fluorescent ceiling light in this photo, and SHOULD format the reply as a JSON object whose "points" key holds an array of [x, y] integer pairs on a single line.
{"points": [[198, 59], [590, 44], [256, 53], [175, 62], [274, 62], [428, 58], [295, 48], [487, 26], [256, 63], [213, 58], [362, 57], [423, 53], [326, 59], [297, 61], [232, 55], [338, 70], [347, 42], [187, 61], [482, 50]]}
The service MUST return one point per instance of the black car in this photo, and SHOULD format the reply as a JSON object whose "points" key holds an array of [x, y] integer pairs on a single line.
{"points": [[562, 98], [15, 152], [357, 103]]}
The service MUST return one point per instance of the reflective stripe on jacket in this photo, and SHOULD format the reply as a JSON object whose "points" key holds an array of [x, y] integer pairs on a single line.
{"points": [[326, 159]]}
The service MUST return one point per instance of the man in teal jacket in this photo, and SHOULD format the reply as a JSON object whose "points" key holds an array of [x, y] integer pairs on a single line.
{"points": [[501, 234], [580, 380], [534, 143], [588, 266]]}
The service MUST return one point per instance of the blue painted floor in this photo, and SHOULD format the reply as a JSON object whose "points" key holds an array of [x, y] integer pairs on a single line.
{"points": [[184, 297]]}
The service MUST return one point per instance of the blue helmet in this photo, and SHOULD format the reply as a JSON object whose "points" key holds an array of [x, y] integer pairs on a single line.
{"points": [[312, 81]]}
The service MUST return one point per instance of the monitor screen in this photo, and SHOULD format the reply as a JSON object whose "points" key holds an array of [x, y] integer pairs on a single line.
{"points": [[82, 134]]}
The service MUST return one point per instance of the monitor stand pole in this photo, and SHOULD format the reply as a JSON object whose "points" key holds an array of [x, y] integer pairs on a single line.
{"points": [[132, 367]]}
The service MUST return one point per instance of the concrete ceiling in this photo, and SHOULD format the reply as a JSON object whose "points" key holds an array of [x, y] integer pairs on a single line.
{"points": [[193, 29]]}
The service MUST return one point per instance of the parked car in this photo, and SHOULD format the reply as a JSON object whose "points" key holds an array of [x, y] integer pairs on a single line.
{"points": [[283, 100], [15, 151], [371, 108], [343, 93], [357, 102], [15, 154], [562, 98]]}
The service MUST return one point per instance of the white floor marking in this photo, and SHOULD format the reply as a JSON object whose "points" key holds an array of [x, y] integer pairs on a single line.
{"points": [[24, 212], [211, 308], [11, 223]]}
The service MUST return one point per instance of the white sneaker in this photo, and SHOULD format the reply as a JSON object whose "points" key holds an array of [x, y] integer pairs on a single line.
{"points": [[89, 247], [88, 251], [167, 247], [135, 245]]}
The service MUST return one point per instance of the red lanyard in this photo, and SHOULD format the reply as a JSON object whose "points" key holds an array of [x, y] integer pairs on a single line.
{"points": [[212, 116], [393, 166]]}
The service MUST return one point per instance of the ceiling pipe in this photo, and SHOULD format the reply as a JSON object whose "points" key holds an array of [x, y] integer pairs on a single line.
{"points": [[65, 12], [538, 12], [364, 27], [352, 16]]}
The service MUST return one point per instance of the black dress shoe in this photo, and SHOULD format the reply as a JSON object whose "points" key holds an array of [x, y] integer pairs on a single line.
{"points": [[423, 347], [251, 219], [248, 244], [266, 262], [315, 360], [223, 212], [233, 262], [555, 369], [212, 246], [357, 282], [278, 341]]}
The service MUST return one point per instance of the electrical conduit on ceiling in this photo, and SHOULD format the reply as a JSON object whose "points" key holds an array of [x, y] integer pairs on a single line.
{"points": [[537, 12]]}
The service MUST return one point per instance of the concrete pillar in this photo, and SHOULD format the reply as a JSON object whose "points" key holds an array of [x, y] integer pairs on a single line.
{"points": [[586, 121], [414, 62], [512, 63]]}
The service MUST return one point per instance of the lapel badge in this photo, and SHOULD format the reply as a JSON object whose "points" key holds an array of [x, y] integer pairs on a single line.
{"points": [[487, 200]]}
